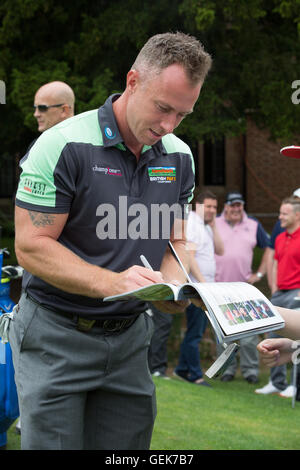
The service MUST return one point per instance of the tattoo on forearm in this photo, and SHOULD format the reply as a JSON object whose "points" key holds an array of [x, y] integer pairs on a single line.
{"points": [[39, 219]]}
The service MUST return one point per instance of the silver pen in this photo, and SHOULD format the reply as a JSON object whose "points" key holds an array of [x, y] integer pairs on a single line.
{"points": [[145, 262], [179, 261]]}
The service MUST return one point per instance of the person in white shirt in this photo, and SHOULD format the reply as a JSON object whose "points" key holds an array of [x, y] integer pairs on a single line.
{"points": [[204, 242]]}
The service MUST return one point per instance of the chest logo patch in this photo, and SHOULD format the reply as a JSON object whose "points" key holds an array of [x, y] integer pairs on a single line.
{"points": [[162, 174]]}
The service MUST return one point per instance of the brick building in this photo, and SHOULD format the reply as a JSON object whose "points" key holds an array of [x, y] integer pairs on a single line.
{"points": [[252, 164]]}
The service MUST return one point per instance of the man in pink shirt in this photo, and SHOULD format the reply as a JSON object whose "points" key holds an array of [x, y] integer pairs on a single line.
{"points": [[240, 234]]}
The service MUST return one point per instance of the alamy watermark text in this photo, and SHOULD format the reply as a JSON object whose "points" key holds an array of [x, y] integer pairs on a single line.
{"points": [[2, 92]]}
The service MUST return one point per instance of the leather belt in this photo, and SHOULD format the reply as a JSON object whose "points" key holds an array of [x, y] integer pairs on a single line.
{"points": [[84, 324], [110, 326]]}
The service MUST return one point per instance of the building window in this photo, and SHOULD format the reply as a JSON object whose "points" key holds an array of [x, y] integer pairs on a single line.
{"points": [[214, 162]]}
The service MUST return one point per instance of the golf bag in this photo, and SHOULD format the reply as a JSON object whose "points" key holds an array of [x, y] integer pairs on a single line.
{"points": [[9, 409]]}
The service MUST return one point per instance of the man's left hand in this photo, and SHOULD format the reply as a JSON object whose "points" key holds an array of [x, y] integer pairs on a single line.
{"points": [[199, 303], [253, 279], [171, 306]]}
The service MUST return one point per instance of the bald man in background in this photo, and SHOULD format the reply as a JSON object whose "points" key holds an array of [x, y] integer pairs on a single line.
{"points": [[53, 103]]}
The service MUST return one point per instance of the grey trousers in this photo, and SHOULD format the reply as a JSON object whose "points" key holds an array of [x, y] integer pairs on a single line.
{"points": [[81, 390]]}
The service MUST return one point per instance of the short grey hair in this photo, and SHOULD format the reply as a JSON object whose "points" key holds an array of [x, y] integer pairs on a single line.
{"points": [[163, 50]]}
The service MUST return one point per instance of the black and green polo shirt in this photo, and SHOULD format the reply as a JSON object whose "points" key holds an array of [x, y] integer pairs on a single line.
{"points": [[118, 208]]}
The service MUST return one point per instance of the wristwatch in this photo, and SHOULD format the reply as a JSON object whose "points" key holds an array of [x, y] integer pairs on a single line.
{"points": [[259, 275]]}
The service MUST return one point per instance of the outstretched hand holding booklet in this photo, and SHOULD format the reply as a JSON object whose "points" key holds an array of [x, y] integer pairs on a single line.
{"points": [[235, 309]]}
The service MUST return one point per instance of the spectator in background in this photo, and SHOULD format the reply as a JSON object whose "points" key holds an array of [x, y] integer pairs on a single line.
{"points": [[203, 242], [277, 229], [240, 234], [53, 103], [286, 268]]}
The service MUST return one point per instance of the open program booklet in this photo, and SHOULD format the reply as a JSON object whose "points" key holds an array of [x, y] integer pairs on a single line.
{"points": [[234, 309]]}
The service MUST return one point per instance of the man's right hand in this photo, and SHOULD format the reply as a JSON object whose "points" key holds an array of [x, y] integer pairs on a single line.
{"points": [[131, 279]]}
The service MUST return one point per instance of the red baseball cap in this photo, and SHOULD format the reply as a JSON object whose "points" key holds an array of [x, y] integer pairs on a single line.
{"points": [[293, 151]]}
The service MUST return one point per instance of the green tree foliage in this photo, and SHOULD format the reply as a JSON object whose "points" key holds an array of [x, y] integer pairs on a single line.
{"points": [[256, 49], [91, 45]]}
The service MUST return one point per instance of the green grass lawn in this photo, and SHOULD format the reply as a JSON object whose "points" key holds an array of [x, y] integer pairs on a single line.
{"points": [[228, 416]]}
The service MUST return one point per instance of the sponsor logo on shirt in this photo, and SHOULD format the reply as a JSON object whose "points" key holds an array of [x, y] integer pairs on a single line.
{"points": [[34, 187], [109, 133], [107, 171], [162, 174]]}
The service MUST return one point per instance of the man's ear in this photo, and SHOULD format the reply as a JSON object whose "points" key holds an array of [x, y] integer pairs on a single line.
{"points": [[132, 80], [66, 111]]}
